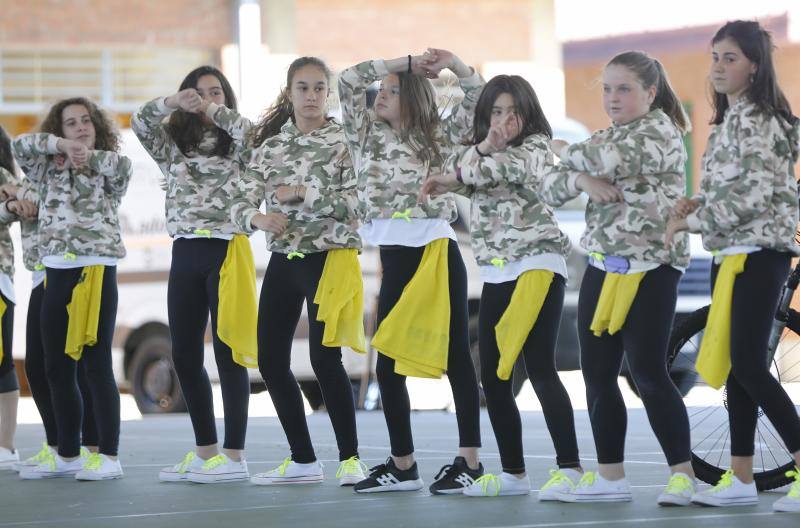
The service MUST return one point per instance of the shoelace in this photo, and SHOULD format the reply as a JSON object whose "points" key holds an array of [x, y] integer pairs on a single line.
{"points": [[215, 461], [726, 481], [93, 462], [203, 232], [184, 464], [447, 470], [350, 466], [41, 456], [49, 459], [70, 256], [85, 453], [499, 263], [404, 215], [380, 469], [294, 254], [282, 468], [587, 479], [794, 491], [557, 477], [487, 480], [678, 484]]}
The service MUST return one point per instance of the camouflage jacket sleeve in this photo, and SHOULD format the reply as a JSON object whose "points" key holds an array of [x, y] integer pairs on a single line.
{"points": [[6, 216], [27, 191], [33, 153], [746, 181], [629, 151], [353, 84], [523, 165], [458, 124], [559, 184], [251, 190], [116, 171], [147, 124], [236, 125], [341, 202]]}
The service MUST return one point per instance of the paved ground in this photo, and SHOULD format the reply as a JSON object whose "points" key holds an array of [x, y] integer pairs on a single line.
{"points": [[150, 443]]}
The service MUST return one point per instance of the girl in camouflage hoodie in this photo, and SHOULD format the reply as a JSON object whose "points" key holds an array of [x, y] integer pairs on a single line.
{"points": [[81, 180], [522, 255], [394, 148], [633, 172], [301, 168], [201, 162], [747, 209]]}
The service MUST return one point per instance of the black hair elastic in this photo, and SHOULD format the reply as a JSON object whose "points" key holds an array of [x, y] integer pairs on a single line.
{"points": [[409, 64]]}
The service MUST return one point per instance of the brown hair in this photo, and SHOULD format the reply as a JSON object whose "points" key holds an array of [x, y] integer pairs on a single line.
{"points": [[105, 129], [651, 73], [419, 115], [186, 128], [276, 115]]}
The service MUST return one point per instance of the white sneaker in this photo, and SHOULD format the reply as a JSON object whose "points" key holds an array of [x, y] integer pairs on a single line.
{"points": [[502, 485], [53, 466], [561, 481], [729, 491], [99, 467], [594, 488], [219, 468], [180, 471], [791, 501], [34, 460], [679, 491], [290, 472], [8, 458], [351, 471]]}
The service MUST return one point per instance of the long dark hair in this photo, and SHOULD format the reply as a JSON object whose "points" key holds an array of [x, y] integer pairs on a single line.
{"points": [[651, 73], [186, 128], [6, 157], [276, 115], [419, 116], [756, 44], [105, 129], [527, 106]]}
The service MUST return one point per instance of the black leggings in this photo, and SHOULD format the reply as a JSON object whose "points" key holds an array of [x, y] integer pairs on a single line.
{"points": [[750, 385], [193, 291], [8, 375], [61, 369], [399, 265], [37, 378], [643, 340], [287, 284], [539, 352]]}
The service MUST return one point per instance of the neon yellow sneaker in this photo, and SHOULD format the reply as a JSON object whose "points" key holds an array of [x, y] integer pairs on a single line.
{"points": [[791, 502], [290, 472], [180, 471], [52, 466], [594, 488], [729, 491], [501, 485], [219, 468], [351, 471], [99, 467], [679, 491], [35, 460], [562, 482]]}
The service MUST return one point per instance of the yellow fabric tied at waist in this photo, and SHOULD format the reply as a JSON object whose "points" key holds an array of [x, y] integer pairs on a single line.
{"points": [[616, 297], [416, 333], [520, 316], [714, 359], [340, 297], [2, 313], [83, 311], [237, 313]]}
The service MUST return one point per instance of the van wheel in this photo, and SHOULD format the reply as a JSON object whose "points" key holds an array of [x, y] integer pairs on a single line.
{"points": [[155, 385]]}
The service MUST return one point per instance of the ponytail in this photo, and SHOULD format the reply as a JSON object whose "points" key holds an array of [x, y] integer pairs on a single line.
{"points": [[651, 73], [282, 109]]}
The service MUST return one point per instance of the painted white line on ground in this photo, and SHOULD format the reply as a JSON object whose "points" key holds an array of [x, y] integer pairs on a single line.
{"points": [[63, 521], [632, 521]]}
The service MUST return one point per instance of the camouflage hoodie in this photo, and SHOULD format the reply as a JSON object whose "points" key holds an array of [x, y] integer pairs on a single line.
{"points": [[645, 160], [6, 218], [508, 218], [749, 191], [319, 160], [200, 186], [389, 173], [77, 207]]}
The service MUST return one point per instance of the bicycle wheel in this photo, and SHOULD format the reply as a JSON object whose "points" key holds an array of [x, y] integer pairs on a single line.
{"points": [[707, 407]]}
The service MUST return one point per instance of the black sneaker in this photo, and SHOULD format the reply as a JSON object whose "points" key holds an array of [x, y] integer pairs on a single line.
{"points": [[386, 477], [453, 478]]}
